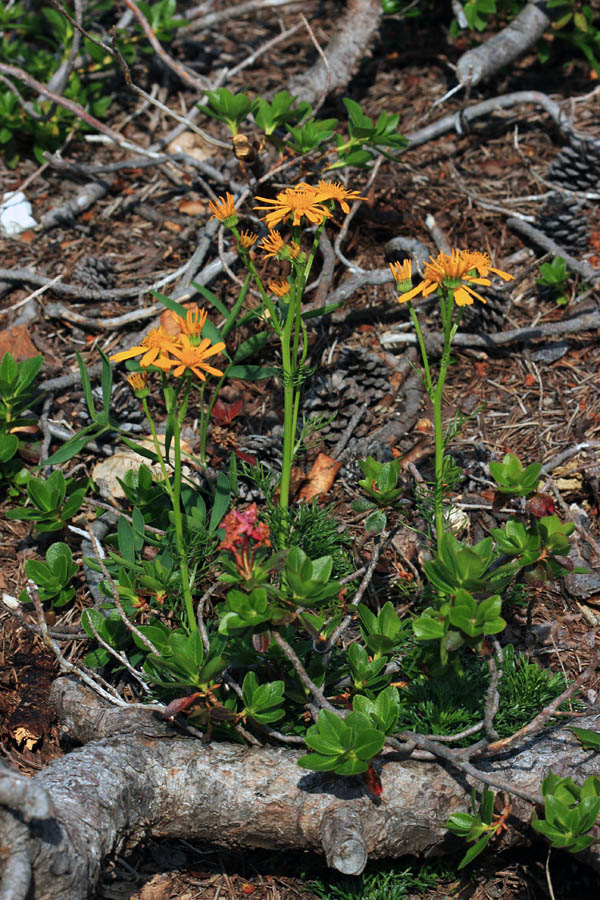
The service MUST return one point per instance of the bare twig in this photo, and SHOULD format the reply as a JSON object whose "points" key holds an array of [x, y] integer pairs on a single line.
{"points": [[59, 80], [467, 767], [456, 121], [251, 59], [302, 673], [325, 89], [200, 615], [492, 700], [587, 322], [120, 657], [13, 606], [133, 629], [96, 683], [542, 718], [384, 540], [71, 105], [216, 18], [189, 78], [587, 272]]}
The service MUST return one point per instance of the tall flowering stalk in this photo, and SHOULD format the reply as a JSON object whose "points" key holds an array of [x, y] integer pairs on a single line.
{"points": [[184, 356], [452, 277], [293, 209]]}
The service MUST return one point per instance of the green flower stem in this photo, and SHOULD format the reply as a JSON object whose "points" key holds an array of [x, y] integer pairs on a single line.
{"points": [[450, 329], [157, 449], [289, 399], [178, 418], [424, 357], [174, 487], [265, 297], [436, 393], [293, 363]]}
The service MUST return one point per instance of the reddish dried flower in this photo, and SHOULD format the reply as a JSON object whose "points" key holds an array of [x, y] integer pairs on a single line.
{"points": [[240, 530]]}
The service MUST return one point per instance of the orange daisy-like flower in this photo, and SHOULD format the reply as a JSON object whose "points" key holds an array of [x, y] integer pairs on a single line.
{"points": [[224, 210], [187, 356], [195, 320], [453, 271], [335, 190], [248, 239], [279, 288], [153, 346], [138, 382], [301, 201], [402, 272], [481, 263], [274, 245]]}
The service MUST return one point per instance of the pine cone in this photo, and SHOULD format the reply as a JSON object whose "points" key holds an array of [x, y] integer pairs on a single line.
{"points": [[356, 377], [482, 319], [577, 166], [96, 273], [563, 220]]}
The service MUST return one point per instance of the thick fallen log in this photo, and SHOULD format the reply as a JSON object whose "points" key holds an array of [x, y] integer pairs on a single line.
{"points": [[145, 780]]}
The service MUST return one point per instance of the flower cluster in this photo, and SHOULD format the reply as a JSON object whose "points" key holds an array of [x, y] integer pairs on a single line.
{"points": [[456, 271], [177, 347], [305, 201], [243, 537]]}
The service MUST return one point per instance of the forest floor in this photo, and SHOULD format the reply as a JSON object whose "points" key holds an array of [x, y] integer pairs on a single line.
{"points": [[538, 397]]}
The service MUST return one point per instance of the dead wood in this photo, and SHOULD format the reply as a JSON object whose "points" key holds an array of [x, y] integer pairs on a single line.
{"points": [[144, 780], [350, 43], [510, 43]]}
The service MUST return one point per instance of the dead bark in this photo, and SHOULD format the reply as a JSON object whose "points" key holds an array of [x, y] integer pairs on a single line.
{"points": [[147, 781], [350, 43]]}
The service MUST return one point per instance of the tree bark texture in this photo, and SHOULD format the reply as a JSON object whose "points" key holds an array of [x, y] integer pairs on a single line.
{"points": [[350, 42], [58, 828]]}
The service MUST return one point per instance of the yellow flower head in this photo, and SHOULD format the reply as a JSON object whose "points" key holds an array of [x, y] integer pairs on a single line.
{"points": [[274, 245], [335, 190], [153, 346], [280, 288], [247, 239], [138, 382], [224, 211], [193, 358], [195, 319], [402, 272], [455, 272], [301, 201], [481, 263]]}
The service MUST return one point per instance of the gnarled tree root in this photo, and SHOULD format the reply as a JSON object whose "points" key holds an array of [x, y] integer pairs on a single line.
{"points": [[58, 828]]}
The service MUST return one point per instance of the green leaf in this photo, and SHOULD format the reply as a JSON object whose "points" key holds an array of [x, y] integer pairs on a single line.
{"points": [[331, 728], [251, 346], [428, 629], [317, 763], [375, 522], [220, 503], [252, 373], [212, 299], [106, 382], [460, 823], [87, 387], [474, 851]]}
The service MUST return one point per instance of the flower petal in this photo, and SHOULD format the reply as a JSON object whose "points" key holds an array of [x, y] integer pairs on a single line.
{"points": [[408, 295]]}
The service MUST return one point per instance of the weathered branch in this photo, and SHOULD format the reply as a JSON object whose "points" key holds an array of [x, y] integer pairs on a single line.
{"points": [[500, 50], [344, 52], [139, 779]]}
